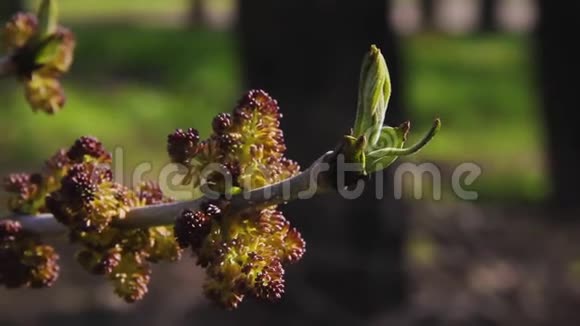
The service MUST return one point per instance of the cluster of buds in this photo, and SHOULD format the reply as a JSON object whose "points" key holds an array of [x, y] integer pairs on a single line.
{"points": [[39, 53], [23, 261], [77, 187], [88, 199], [124, 255], [243, 252], [28, 191], [246, 148]]}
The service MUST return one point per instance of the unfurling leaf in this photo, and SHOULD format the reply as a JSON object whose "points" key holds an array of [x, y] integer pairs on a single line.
{"points": [[383, 156], [390, 137]]}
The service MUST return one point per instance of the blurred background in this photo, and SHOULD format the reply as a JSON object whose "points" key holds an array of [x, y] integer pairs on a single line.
{"points": [[499, 73]]}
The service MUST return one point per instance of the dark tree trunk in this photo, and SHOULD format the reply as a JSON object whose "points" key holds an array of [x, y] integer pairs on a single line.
{"points": [[428, 13], [488, 15], [8, 8], [559, 71], [198, 13], [307, 54]]}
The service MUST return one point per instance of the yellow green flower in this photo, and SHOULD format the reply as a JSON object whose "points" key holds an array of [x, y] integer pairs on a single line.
{"points": [[39, 53]]}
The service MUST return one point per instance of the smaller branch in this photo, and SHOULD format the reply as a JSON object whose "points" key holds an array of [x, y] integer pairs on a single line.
{"points": [[6, 66], [306, 184]]}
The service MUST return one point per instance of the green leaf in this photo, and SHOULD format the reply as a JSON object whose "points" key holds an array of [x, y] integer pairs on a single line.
{"points": [[390, 146], [48, 51]]}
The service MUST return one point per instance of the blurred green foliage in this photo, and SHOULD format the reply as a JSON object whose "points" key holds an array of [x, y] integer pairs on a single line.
{"points": [[483, 89], [130, 86], [76, 10]]}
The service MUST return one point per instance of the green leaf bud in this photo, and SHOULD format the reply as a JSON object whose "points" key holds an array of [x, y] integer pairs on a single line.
{"points": [[373, 96]]}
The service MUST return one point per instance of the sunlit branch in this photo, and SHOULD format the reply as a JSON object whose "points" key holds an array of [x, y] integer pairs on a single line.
{"points": [[304, 185]]}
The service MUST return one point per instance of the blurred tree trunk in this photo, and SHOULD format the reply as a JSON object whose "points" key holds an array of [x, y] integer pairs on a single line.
{"points": [[198, 13], [559, 71], [8, 8], [428, 13], [487, 13], [307, 54]]}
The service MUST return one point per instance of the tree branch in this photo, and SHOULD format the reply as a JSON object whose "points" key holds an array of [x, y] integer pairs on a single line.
{"points": [[308, 183], [6, 67]]}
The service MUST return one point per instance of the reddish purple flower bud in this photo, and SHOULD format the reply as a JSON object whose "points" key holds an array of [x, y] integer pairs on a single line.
{"points": [[8, 230], [57, 162], [212, 211], [150, 193], [79, 185], [191, 229], [271, 221], [269, 284], [18, 183], [259, 101], [234, 170], [222, 123], [131, 277], [294, 246], [100, 263], [25, 192], [43, 267], [87, 145], [88, 199], [183, 145], [228, 142]]}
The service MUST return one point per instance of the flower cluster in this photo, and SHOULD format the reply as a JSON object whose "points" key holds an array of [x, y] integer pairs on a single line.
{"points": [[23, 261], [124, 255], [28, 191], [243, 252], [246, 147], [40, 52], [77, 187]]}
